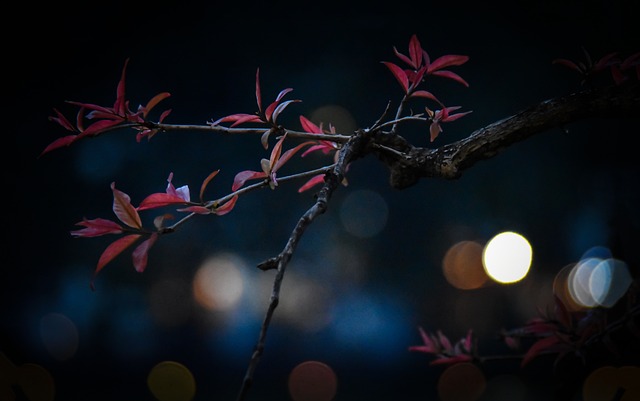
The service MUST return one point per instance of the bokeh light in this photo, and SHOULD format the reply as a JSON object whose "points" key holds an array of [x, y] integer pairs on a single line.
{"points": [[461, 382], [462, 265], [364, 213], [59, 335], [171, 381], [609, 383], [28, 381], [218, 283], [312, 381], [306, 305], [596, 280], [335, 115], [507, 257]]}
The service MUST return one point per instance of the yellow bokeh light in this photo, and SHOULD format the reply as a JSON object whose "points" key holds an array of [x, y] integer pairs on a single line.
{"points": [[461, 382], [507, 257], [171, 381]]}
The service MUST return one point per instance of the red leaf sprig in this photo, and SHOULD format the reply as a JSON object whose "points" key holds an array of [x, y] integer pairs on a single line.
{"points": [[268, 115], [269, 166], [420, 66], [621, 70], [129, 216], [106, 118], [443, 349], [323, 146]]}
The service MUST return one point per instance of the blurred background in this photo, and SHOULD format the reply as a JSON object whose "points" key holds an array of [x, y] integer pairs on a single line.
{"points": [[376, 266]]}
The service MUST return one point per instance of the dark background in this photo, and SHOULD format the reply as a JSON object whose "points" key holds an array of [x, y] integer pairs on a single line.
{"points": [[565, 191]]}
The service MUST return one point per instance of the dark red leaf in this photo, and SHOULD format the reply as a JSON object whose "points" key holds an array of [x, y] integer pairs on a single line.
{"points": [[400, 75]]}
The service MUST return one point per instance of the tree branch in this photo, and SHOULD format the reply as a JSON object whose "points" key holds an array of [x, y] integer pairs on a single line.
{"points": [[449, 161]]}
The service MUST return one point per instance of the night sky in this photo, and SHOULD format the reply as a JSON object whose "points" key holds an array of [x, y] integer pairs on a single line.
{"points": [[367, 273]]}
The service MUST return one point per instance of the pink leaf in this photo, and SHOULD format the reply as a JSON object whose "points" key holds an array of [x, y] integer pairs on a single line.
{"points": [[113, 250], [237, 119], [226, 207], [315, 180], [160, 199], [288, 154], [96, 228], [245, 176], [309, 127], [280, 108], [258, 94], [141, 253], [196, 209], [123, 208]]}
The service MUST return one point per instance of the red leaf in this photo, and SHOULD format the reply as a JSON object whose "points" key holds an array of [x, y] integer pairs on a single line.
{"points": [[123, 208], [160, 199], [434, 131], [309, 127], [96, 228], [195, 209], [425, 94], [226, 207], [450, 75], [60, 142], [244, 176], [237, 119], [289, 154], [280, 108], [415, 52], [268, 113], [206, 182], [153, 102], [120, 105], [114, 249], [258, 93], [62, 120], [567, 63], [446, 61], [402, 57], [400, 75], [539, 347], [98, 127], [141, 253], [315, 180]]}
